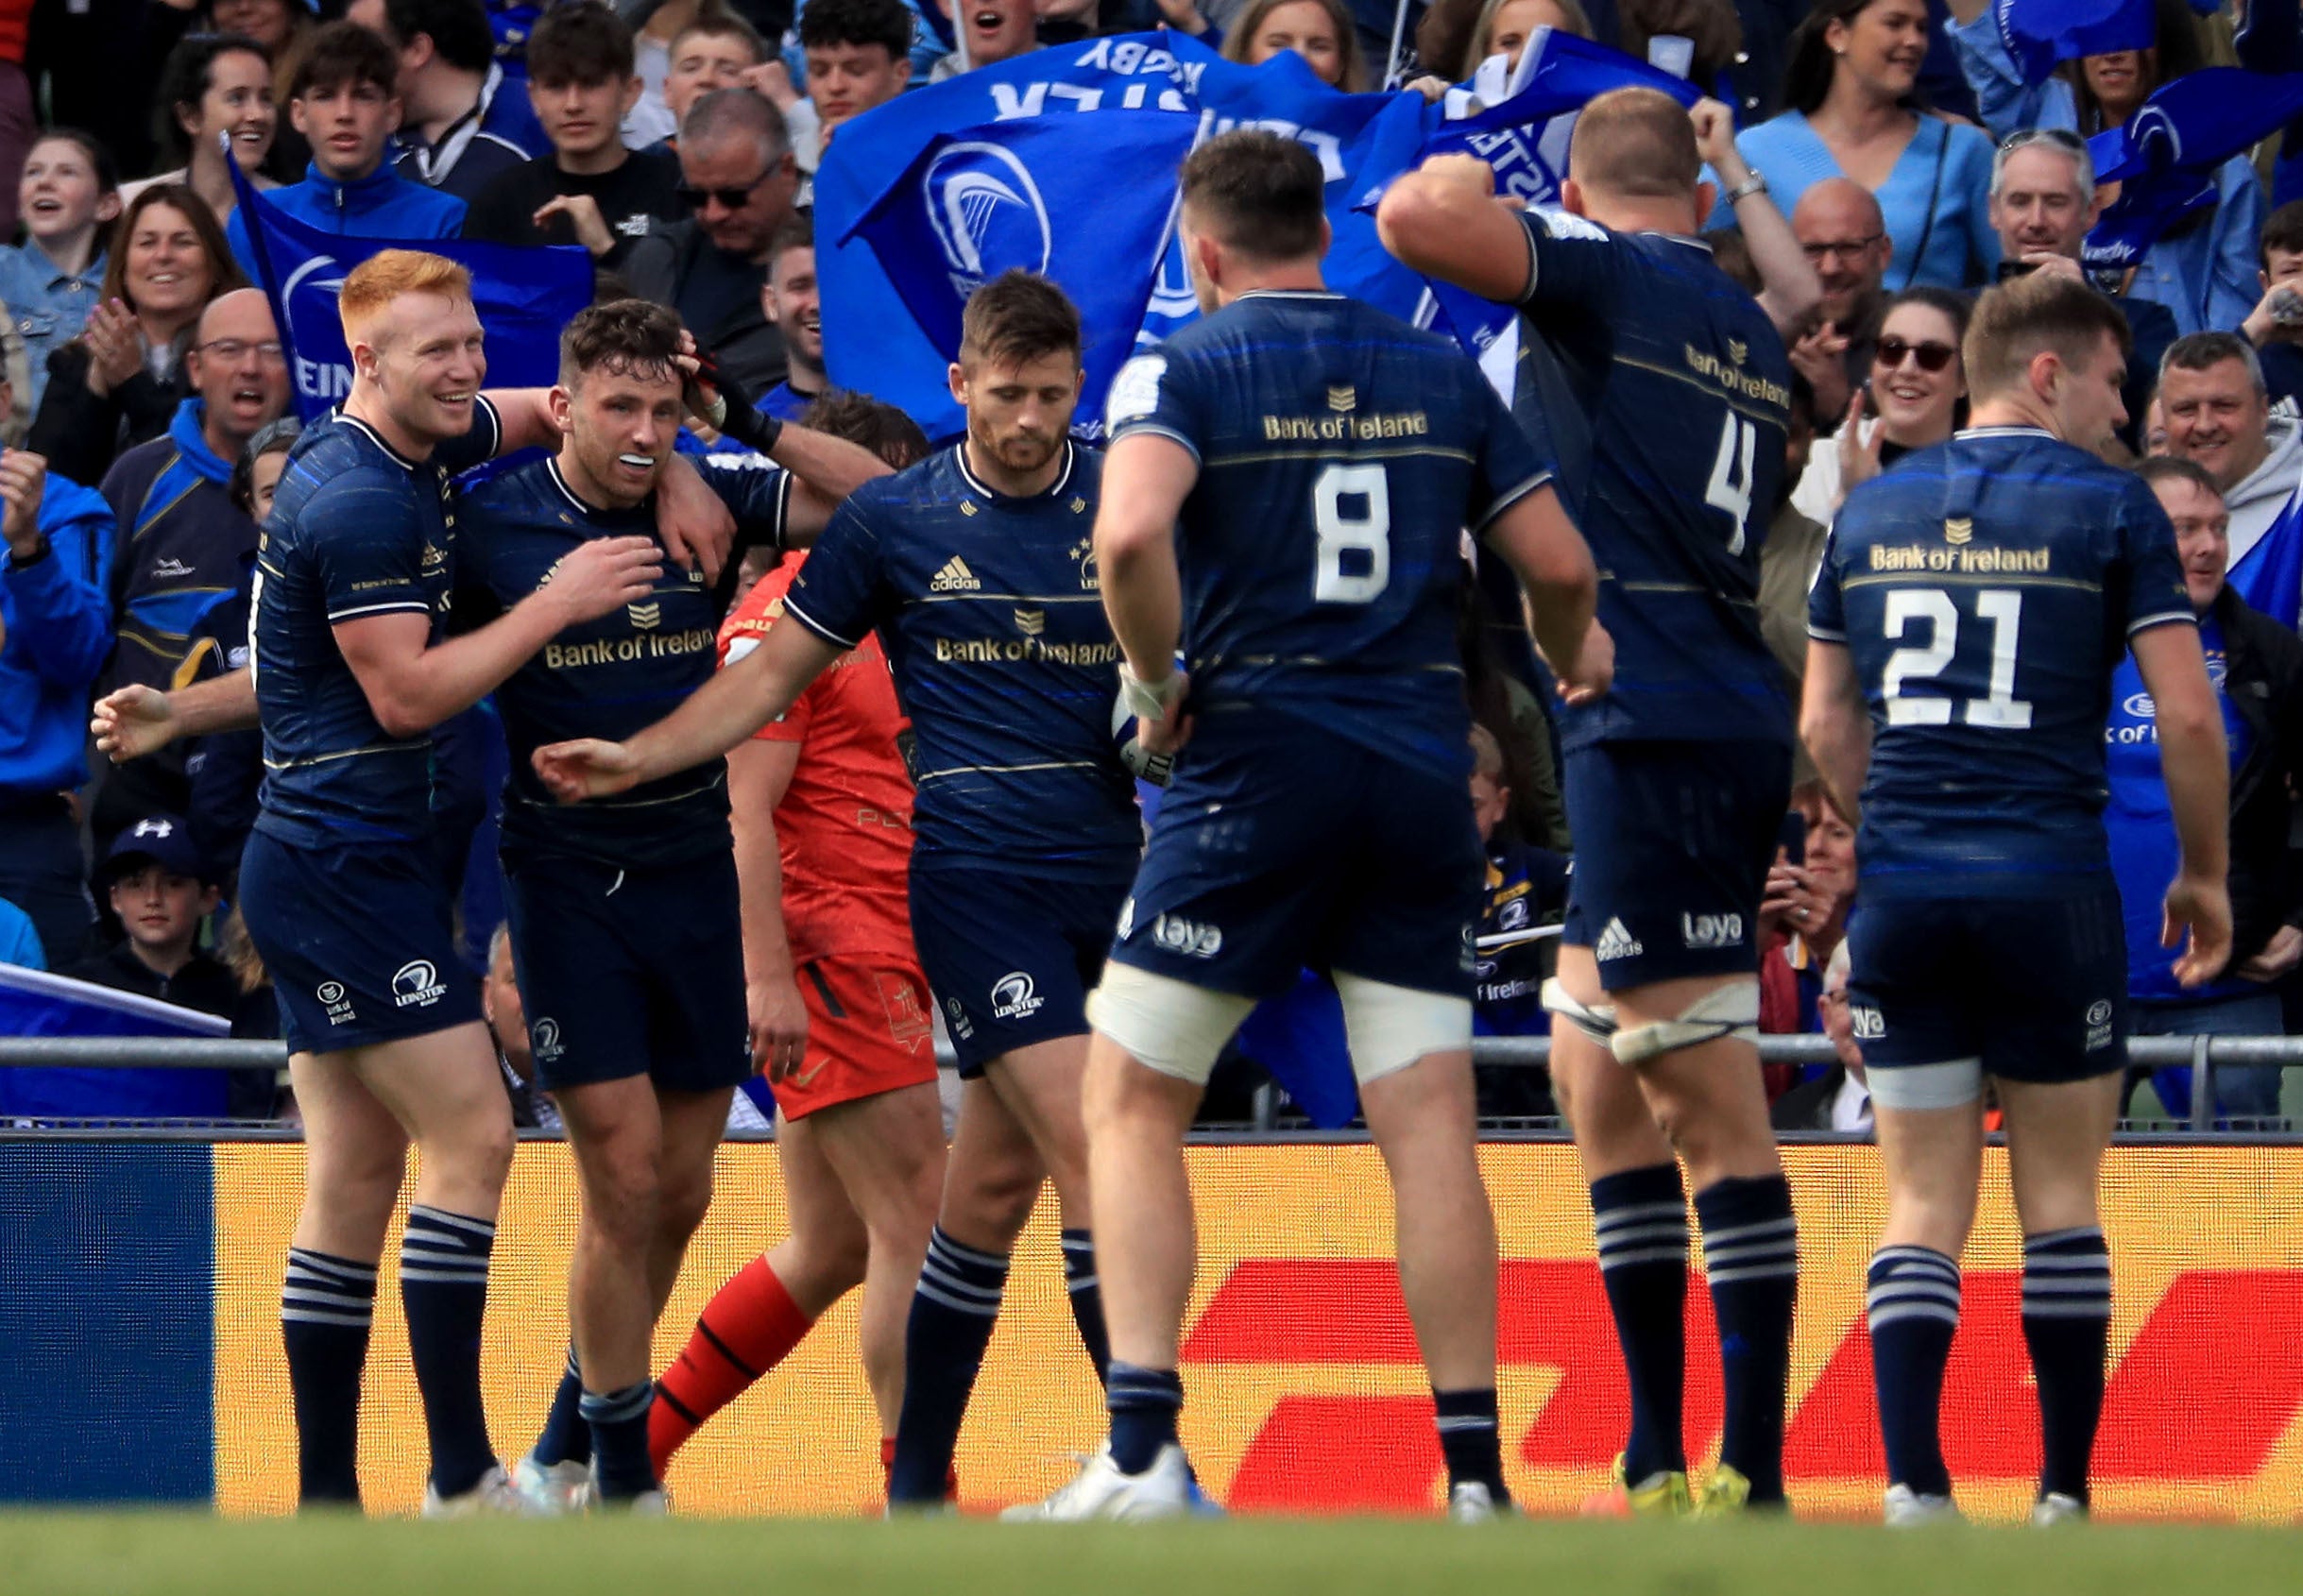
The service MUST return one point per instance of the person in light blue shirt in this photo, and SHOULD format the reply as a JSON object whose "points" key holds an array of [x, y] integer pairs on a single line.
{"points": [[50, 283], [1854, 65], [2202, 269]]}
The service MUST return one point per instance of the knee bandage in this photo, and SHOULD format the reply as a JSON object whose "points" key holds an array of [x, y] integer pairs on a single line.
{"points": [[1597, 1021], [1730, 1010], [1165, 1025], [1388, 1027]]}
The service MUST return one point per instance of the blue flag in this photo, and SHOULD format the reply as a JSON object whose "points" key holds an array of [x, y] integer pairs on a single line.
{"points": [[2269, 575], [35, 1003], [977, 202], [2039, 33], [524, 297], [2166, 156]]}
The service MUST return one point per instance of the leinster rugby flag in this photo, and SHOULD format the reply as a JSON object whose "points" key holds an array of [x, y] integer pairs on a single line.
{"points": [[2039, 33], [35, 1003], [2166, 156], [524, 297]]}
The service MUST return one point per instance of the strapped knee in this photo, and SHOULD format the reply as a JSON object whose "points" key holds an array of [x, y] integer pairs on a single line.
{"points": [[1723, 1012], [1597, 1021]]}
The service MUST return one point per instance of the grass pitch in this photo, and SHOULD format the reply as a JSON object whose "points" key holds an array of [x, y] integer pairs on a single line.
{"points": [[119, 1554]]}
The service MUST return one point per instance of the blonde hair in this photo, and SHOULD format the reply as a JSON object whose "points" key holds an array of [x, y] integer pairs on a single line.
{"points": [[1476, 48], [2045, 312], [1635, 143], [1242, 38], [1487, 755], [384, 276]]}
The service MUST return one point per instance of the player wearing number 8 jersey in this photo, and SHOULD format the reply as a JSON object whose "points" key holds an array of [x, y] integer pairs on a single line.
{"points": [[1969, 610], [1317, 462], [1677, 780]]}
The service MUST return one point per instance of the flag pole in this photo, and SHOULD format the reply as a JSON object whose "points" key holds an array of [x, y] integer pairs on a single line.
{"points": [[1399, 35]]}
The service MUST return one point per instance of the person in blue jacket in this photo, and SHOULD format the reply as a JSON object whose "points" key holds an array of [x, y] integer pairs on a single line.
{"points": [[55, 634], [2202, 269], [344, 101]]}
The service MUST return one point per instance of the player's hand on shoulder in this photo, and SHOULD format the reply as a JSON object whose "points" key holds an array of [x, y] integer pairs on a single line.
{"points": [[695, 526], [779, 1025], [2202, 909], [601, 575], [133, 723], [1587, 677], [586, 768]]}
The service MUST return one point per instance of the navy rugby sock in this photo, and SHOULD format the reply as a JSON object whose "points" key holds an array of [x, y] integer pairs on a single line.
{"points": [[2067, 1324], [567, 1438], [326, 1308], [1751, 1254], [443, 1285], [952, 1315], [1640, 1219], [1144, 1404], [1086, 1296], [1914, 1310]]}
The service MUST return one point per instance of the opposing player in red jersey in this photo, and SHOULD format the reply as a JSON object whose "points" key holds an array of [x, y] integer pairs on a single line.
{"points": [[840, 1012]]}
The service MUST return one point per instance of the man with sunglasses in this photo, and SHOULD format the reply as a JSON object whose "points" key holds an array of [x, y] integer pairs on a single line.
{"points": [[738, 181], [2042, 205]]}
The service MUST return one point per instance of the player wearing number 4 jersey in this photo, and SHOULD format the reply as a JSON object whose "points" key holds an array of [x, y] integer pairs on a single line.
{"points": [[1317, 462], [1969, 610], [1676, 780]]}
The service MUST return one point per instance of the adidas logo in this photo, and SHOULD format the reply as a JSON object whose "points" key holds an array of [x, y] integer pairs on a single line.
{"points": [[954, 578], [1616, 943]]}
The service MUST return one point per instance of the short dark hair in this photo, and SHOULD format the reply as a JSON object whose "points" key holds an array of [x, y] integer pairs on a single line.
{"points": [[2021, 319], [344, 54], [886, 22], [797, 233], [865, 422], [2198, 352], [99, 154], [185, 78], [628, 337], [458, 30], [2175, 469], [586, 42], [1018, 316], [1258, 193], [273, 437], [715, 21], [2283, 231]]}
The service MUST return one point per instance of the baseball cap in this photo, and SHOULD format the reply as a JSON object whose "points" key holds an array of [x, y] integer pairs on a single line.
{"points": [[162, 839]]}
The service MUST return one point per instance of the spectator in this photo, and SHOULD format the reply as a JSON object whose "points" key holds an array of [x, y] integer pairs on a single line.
{"points": [[858, 54], [282, 28], [1503, 27], [462, 127], [2204, 269], [50, 282], [1840, 226], [790, 301], [1854, 64], [343, 100], [2257, 667], [1711, 28], [55, 634], [712, 268], [507, 1022], [186, 542], [589, 190], [1839, 1099], [989, 32], [2275, 327], [120, 382], [1320, 31], [2042, 205], [223, 770], [1914, 398], [1525, 895], [713, 49], [216, 87], [1804, 913], [2217, 415], [19, 116]]}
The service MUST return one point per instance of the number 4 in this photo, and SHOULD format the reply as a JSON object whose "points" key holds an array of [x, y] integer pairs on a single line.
{"points": [[1731, 488]]}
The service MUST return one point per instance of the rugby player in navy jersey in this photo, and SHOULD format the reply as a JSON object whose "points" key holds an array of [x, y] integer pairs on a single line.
{"points": [[339, 886], [1677, 780], [625, 929], [977, 569], [1311, 466], [1970, 608]]}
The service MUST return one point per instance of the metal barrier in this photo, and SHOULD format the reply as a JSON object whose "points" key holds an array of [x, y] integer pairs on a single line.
{"points": [[2203, 1054]]}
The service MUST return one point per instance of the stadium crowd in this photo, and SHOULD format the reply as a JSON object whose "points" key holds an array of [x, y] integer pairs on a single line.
{"points": [[148, 394]]}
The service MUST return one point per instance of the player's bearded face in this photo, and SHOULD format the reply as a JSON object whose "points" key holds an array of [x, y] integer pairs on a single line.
{"points": [[1019, 415], [621, 427]]}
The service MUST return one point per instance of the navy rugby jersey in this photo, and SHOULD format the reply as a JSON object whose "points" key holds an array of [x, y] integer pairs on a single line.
{"points": [[993, 622], [1985, 590], [609, 677], [1342, 454], [356, 528], [1687, 387]]}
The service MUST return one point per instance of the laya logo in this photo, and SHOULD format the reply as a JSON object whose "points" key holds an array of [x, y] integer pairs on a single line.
{"points": [[1193, 938], [1711, 930], [417, 983], [544, 1040], [1870, 1024], [987, 213], [1014, 996]]}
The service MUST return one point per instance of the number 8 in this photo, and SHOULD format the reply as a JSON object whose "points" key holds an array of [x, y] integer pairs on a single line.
{"points": [[1337, 532]]}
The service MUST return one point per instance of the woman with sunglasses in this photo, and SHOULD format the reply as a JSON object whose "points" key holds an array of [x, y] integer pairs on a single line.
{"points": [[2203, 268], [1917, 390], [1852, 113]]}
